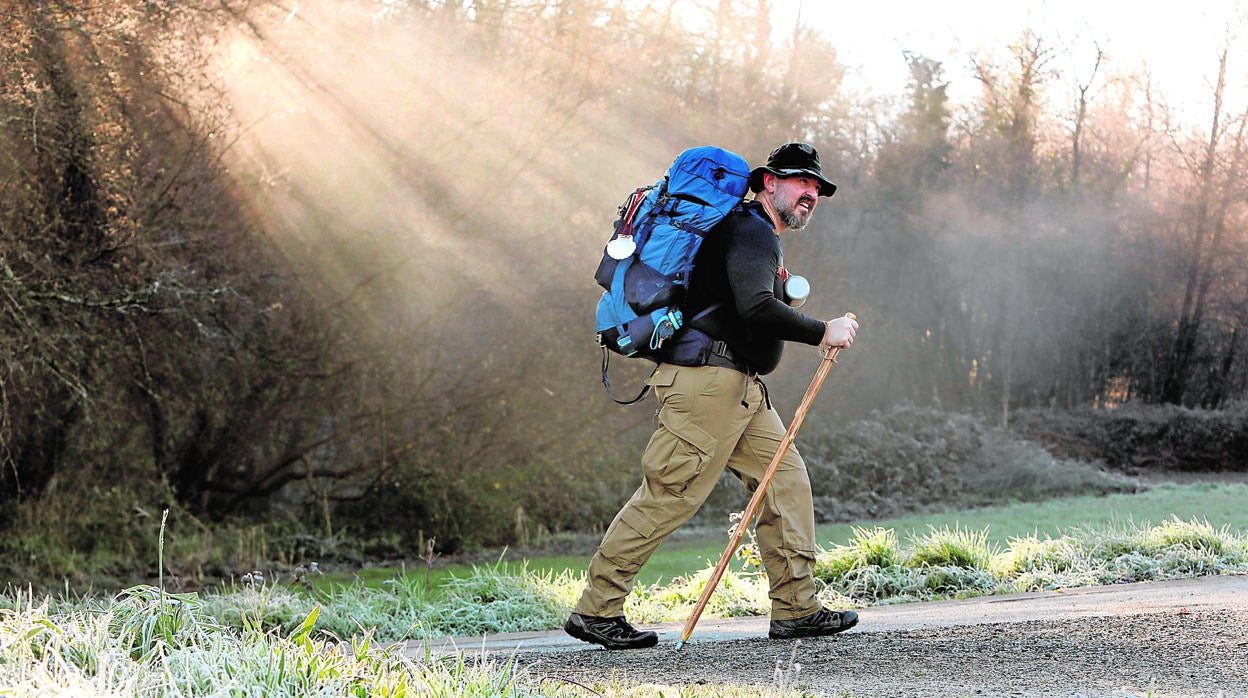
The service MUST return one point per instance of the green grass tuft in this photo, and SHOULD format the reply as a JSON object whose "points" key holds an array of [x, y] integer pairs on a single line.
{"points": [[953, 563], [951, 547], [1190, 535], [1031, 554]]}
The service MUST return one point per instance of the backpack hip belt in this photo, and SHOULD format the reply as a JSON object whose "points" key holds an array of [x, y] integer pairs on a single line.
{"points": [[718, 354]]}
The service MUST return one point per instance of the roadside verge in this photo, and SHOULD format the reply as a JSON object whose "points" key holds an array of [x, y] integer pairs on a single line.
{"points": [[1214, 593]]}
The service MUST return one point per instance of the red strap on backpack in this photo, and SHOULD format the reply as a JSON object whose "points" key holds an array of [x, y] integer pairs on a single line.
{"points": [[628, 211]]}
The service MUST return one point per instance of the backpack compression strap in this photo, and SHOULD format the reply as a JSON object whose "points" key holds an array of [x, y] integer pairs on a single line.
{"points": [[628, 211], [645, 390]]}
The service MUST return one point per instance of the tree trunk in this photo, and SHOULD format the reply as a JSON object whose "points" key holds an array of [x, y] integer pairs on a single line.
{"points": [[1205, 237]]}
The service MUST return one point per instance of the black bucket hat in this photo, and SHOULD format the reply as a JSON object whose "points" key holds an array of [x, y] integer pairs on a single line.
{"points": [[793, 160]]}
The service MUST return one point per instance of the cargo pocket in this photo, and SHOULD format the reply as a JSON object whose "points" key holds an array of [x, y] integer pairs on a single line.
{"points": [[664, 376], [678, 452]]}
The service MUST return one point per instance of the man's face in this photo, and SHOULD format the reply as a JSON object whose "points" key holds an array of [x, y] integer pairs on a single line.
{"points": [[795, 200]]}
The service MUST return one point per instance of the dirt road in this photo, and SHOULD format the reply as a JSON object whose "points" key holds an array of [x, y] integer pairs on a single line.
{"points": [[1177, 638]]}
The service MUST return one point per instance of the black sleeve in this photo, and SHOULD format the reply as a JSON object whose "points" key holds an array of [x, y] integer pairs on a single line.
{"points": [[753, 261]]}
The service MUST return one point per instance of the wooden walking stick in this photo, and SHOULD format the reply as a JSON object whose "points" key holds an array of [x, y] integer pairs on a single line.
{"points": [[829, 358]]}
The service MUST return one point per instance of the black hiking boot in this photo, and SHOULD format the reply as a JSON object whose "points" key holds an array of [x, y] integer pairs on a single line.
{"points": [[612, 633], [817, 624]]}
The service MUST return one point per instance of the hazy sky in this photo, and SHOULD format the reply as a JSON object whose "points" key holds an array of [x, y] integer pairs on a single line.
{"points": [[1178, 41]]}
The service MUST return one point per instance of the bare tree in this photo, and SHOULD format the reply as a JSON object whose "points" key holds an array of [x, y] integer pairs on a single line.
{"points": [[1206, 225], [1081, 115]]}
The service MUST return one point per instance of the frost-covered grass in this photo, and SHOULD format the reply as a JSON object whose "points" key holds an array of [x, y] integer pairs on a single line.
{"points": [[875, 566], [144, 642], [276, 636], [957, 562], [273, 638]]}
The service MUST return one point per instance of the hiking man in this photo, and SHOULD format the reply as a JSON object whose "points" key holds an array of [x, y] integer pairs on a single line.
{"points": [[715, 413]]}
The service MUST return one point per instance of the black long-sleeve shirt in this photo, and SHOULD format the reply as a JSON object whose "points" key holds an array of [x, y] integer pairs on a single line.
{"points": [[738, 266]]}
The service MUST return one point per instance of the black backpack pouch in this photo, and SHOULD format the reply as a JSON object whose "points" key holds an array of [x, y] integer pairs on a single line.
{"points": [[689, 347]]}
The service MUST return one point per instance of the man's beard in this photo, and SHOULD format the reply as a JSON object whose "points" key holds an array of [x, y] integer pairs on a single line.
{"points": [[793, 218]]}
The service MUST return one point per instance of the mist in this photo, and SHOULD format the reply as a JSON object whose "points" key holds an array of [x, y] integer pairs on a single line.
{"points": [[452, 176], [332, 262], [453, 180]]}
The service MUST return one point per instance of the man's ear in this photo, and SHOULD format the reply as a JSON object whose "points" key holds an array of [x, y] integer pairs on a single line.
{"points": [[769, 182]]}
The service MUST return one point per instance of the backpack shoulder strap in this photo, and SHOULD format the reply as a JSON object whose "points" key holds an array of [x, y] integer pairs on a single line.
{"points": [[753, 210]]}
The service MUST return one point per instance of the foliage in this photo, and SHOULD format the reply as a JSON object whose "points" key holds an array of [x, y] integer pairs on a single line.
{"points": [[489, 602], [737, 594], [483, 600], [257, 270], [167, 645], [153, 333], [956, 547], [1032, 554], [109, 538], [873, 567], [918, 459], [877, 547], [147, 625], [957, 562], [278, 639], [1138, 438]]}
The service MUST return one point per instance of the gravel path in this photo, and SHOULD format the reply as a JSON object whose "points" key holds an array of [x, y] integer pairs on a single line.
{"points": [[1180, 652]]}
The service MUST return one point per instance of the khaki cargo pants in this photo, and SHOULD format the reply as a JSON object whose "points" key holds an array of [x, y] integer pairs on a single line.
{"points": [[704, 428]]}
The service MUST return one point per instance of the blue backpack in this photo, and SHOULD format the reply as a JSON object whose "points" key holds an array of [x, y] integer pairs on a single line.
{"points": [[647, 262]]}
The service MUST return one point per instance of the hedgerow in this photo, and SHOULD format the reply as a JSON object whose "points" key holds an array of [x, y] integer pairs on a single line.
{"points": [[914, 459], [1136, 438]]}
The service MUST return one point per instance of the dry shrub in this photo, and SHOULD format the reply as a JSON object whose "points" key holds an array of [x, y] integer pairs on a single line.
{"points": [[1137, 438], [914, 459]]}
